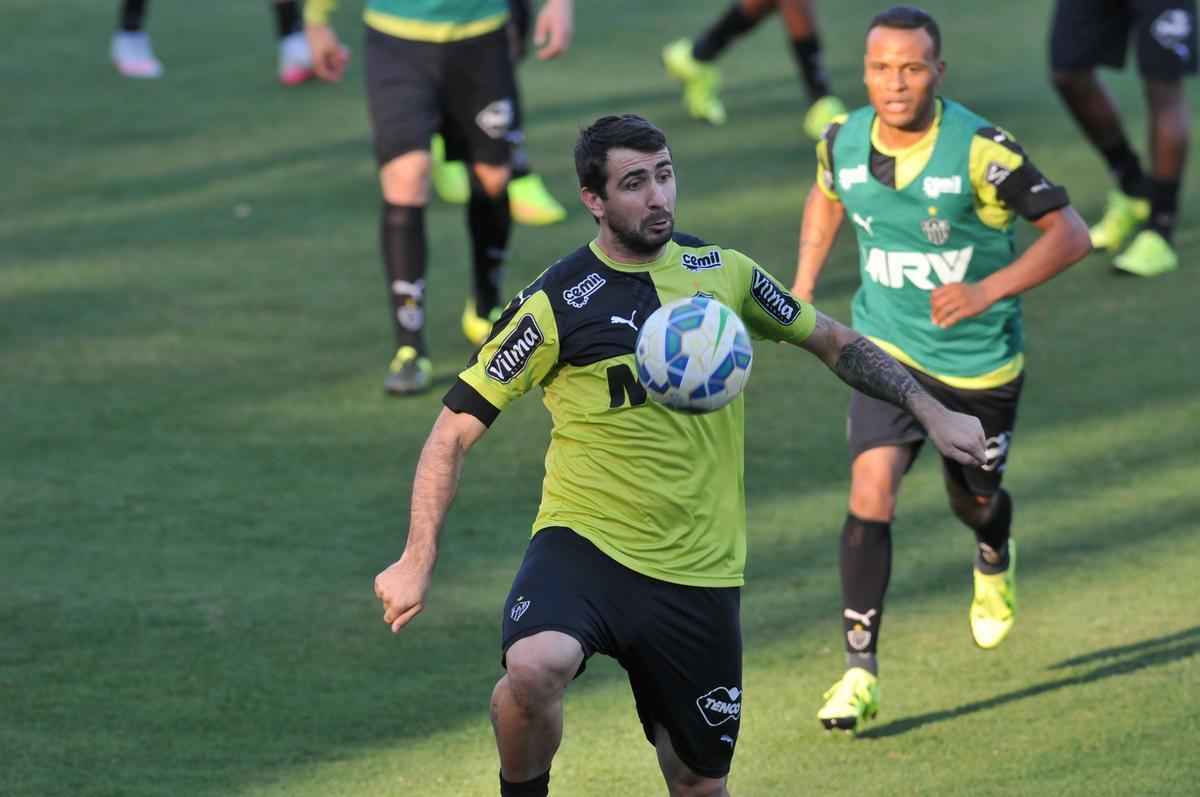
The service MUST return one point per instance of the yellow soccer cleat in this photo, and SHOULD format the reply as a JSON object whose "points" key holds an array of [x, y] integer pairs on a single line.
{"points": [[476, 327], [820, 114], [994, 606], [409, 373], [851, 701], [700, 82], [1123, 215], [532, 204], [450, 178], [1148, 256]]}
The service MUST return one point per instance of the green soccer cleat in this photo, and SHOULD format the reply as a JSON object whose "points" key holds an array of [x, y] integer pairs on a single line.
{"points": [[851, 701], [820, 114], [532, 204], [477, 327], [1148, 256], [449, 177], [410, 373], [994, 606], [700, 82], [1123, 215]]}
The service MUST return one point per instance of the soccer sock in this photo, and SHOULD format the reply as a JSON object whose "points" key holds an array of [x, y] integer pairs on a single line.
{"points": [[402, 241], [1125, 168], [489, 221], [537, 787], [991, 537], [807, 53], [133, 15], [729, 26], [1164, 201], [866, 567], [287, 17]]}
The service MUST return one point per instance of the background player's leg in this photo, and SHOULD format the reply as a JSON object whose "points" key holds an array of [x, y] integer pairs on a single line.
{"points": [[404, 181], [527, 709], [801, 23], [295, 59], [530, 201], [681, 780], [691, 62], [489, 221], [130, 50]]}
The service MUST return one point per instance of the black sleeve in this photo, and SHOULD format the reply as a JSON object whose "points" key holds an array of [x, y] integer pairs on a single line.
{"points": [[461, 397]]}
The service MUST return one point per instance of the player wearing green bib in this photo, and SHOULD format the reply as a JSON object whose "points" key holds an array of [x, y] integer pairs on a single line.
{"points": [[639, 544], [931, 190]]}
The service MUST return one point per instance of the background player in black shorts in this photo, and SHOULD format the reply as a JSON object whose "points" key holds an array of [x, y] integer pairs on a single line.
{"points": [[1091, 33], [437, 66], [640, 540]]}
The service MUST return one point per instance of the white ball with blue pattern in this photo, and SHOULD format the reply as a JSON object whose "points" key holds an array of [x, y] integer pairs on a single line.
{"points": [[693, 355]]}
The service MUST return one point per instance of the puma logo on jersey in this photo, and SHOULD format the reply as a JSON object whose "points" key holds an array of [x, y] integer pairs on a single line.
{"points": [[936, 186], [616, 319], [515, 352], [696, 263], [778, 303], [893, 269], [864, 223]]}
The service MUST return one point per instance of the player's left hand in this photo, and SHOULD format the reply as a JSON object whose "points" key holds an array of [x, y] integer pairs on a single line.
{"points": [[951, 303], [553, 29]]}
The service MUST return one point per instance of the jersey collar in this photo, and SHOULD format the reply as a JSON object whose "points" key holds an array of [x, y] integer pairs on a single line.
{"points": [[669, 252]]}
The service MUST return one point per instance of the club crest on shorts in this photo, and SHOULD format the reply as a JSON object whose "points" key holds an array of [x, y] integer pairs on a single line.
{"points": [[496, 119], [519, 608], [936, 230], [720, 705]]}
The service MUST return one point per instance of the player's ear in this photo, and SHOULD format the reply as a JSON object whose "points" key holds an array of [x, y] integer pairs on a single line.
{"points": [[592, 201]]}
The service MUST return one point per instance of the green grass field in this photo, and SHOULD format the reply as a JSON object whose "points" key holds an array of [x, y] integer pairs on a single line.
{"points": [[201, 475]]}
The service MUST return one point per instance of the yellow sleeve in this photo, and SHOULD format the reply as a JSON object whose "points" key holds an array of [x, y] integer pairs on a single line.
{"points": [[825, 158], [316, 12], [994, 156], [521, 352], [768, 309]]}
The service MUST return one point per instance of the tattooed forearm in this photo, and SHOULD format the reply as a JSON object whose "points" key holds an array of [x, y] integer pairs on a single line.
{"points": [[865, 367]]}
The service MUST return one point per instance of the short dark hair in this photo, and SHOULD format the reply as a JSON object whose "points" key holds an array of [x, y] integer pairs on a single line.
{"points": [[909, 18], [628, 131]]}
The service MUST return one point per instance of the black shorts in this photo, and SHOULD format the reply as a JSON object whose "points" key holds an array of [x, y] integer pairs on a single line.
{"points": [[872, 423], [465, 90], [1090, 33], [681, 645]]}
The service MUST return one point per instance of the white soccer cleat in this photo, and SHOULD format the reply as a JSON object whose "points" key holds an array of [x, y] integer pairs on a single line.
{"points": [[133, 56], [295, 59]]}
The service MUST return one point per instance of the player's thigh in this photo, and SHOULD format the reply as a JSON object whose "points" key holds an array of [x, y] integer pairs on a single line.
{"points": [[563, 585], [478, 100], [402, 80], [685, 669], [1085, 34], [1166, 38], [996, 409], [681, 779]]}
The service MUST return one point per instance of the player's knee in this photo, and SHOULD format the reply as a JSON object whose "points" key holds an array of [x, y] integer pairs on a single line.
{"points": [[536, 676], [972, 510], [693, 785], [872, 501], [491, 179], [1070, 83], [405, 180]]}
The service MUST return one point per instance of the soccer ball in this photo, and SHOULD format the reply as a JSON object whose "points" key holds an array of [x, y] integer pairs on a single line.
{"points": [[693, 355]]}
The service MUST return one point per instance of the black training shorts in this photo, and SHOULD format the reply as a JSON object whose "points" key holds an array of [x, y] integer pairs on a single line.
{"points": [[465, 90], [873, 423], [1091, 33], [681, 645]]}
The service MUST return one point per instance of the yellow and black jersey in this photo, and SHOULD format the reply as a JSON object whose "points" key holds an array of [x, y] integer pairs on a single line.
{"points": [[659, 491], [1004, 180]]}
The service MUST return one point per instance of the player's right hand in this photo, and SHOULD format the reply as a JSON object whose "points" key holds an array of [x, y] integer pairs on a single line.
{"points": [[329, 56], [959, 437], [553, 29], [401, 588]]}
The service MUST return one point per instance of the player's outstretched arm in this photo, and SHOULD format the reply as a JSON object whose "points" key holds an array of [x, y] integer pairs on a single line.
{"points": [[554, 27], [867, 368], [1064, 240], [818, 230], [402, 586]]}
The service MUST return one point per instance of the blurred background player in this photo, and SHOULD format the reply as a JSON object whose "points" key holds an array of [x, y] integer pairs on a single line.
{"points": [[1090, 33], [932, 190], [530, 201], [437, 66], [133, 55], [691, 63]]}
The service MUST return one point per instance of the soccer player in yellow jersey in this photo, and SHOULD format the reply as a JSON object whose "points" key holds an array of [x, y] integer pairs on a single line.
{"points": [[640, 540], [931, 190], [438, 66]]}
